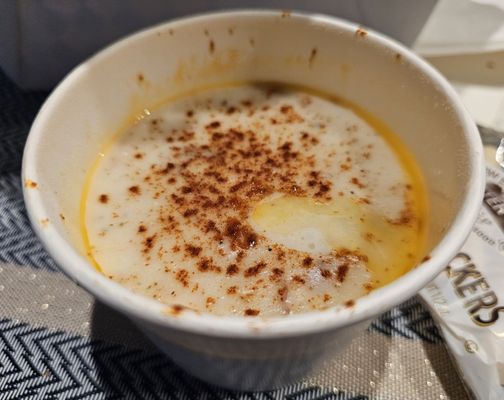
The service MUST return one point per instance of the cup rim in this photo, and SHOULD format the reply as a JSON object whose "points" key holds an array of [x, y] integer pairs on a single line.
{"points": [[141, 308]]}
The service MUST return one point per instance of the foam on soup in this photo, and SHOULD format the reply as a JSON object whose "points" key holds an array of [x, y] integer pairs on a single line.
{"points": [[255, 200]]}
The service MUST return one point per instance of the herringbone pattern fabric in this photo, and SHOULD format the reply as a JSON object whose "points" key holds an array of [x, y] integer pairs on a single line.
{"points": [[411, 320], [37, 363], [57, 343]]}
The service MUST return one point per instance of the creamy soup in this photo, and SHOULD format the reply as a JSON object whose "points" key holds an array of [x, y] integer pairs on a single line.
{"points": [[255, 200]]}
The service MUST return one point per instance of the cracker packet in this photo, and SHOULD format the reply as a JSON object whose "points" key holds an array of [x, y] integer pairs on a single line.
{"points": [[467, 298]]}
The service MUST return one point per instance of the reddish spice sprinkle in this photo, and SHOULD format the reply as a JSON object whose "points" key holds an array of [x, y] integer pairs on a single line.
{"points": [[368, 287], [210, 226], [207, 265], [249, 312], [323, 188], [325, 273], [342, 272], [190, 212], [232, 269], [176, 309], [349, 303], [360, 33], [168, 168], [213, 125], [355, 181], [285, 109], [135, 190], [240, 235], [31, 184], [103, 199], [183, 277], [406, 217], [276, 274], [192, 251], [255, 270], [307, 261], [148, 243], [313, 54]]}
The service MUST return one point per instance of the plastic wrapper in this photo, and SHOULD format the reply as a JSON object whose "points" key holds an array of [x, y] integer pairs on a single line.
{"points": [[467, 298]]}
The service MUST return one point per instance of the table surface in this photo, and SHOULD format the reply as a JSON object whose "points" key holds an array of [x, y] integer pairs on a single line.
{"points": [[58, 342]]}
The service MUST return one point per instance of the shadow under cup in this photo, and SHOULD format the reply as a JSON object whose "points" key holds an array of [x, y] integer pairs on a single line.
{"points": [[336, 57]]}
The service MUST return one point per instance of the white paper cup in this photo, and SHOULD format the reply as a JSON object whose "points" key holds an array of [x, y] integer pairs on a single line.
{"points": [[362, 66]]}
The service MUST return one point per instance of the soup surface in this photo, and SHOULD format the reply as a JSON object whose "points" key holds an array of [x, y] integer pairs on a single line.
{"points": [[255, 200]]}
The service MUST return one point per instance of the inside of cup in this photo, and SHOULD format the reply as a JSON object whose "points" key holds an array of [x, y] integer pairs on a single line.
{"points": [[105, 93]]}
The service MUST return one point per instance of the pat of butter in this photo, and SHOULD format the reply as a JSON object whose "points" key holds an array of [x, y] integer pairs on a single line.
{"points": [[306, 224], [309, 225]]}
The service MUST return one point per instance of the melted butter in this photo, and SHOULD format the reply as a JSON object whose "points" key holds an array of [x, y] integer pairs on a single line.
{"points": [[308, 225]]}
